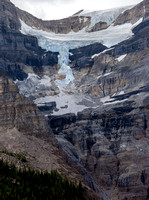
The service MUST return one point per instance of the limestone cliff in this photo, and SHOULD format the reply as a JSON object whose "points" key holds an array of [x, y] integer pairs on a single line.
{"points": [[63, 26], [20, 54], [134, 14], [106, 144], [24, 131]]}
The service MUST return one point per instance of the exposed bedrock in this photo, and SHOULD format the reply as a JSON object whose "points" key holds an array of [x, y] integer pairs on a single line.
{"points": [[81, 57], [139, 41], [20, 54], [112, 145], [63, 26], [134, 14], [17, 112], [23, 129]]}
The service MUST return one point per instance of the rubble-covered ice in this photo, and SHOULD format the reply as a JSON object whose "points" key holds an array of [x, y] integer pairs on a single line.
{"points": [[33, 84]]}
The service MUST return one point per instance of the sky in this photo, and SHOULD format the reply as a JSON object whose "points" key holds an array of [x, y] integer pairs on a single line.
{"points": [[58, 9]]}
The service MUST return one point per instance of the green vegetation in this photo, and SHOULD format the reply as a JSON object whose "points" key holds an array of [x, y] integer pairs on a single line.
{"points": [[27, 184], [19, 156]]}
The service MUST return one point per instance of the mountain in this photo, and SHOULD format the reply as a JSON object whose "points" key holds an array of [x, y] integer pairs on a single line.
{"points": [[75, 96]]}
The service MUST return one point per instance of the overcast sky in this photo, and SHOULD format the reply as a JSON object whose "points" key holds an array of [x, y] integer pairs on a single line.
{"points": [[57, 9]]}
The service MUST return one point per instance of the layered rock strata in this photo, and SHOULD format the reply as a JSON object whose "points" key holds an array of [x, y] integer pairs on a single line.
{"points": [[24, 131], [20, 54]]}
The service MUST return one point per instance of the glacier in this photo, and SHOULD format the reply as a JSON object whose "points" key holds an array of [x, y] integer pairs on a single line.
{"points": [[62, 43], [107, 16]]}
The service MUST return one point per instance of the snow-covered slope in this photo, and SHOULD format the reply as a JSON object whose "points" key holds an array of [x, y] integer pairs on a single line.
{"points": [[107, 16]]}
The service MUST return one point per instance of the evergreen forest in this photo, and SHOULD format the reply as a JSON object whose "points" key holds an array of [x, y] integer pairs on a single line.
{"points": [[28, 184]]}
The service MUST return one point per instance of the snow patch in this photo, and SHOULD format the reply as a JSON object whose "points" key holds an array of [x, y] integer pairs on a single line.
{"points": [[46, 81], [137, 23], [33, 83], [85, 19], [71, 54], [120, 58], [80, 20], [108, 100], [95, 55], [121, 93], [104, 99], [65, 103], [115, 102], [32, 76], [107, 74]]}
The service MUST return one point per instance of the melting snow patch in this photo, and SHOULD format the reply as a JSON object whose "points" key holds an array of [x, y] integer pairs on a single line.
{"points": [[104, 99], [119, 59], [46, 81], [85, 19], [107, 74], [71, 54], [121, 93], [106, 50], [33, 82], [65, 103], [33, 76], [108, 100], [137, 23], [80, 20], [115, 102]]}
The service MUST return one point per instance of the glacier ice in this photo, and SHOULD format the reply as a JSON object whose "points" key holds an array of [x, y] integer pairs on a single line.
{"points": [[62, 43], [64, 63], [107, 16]]}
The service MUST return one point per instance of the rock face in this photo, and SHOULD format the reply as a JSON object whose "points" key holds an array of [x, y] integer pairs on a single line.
{"points": [[106, 145], [99, 26], [19, 53], [9, 20], [134, 14], [63, 26], [112, 140], [112, 145], [81, 57], [23, 128], [17, 112]]}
